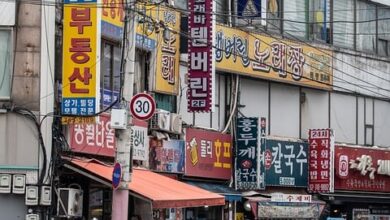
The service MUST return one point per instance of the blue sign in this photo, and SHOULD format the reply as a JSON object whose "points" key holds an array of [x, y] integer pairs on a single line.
{"points": [[286, 163], [108, 97], [144, 42], [116, 175], [249, 166], [78, 106], [249, 8], [111, 31]]}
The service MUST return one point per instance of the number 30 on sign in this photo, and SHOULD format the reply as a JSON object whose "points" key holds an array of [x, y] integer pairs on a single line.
{"points": [[142, 106]]}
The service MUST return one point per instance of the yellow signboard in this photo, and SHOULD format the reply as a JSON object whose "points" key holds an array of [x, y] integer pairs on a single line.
{"points": [[112, 19], [265, 57], [166, 44], [80, 73]]}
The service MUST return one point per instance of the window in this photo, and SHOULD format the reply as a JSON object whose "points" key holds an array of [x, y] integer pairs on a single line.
{"points": [[5, 63], [383, 32], [274, 15], [319, 15], [365, 27], [110, 73], [295, 21], [343, 23]]}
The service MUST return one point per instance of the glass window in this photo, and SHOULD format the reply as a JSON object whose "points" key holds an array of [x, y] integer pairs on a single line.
{"points": [[319, 18], [110, 74], [5, 63], [343, 27], [274, 15], [383, 32], [295, 21], [366, 27]]}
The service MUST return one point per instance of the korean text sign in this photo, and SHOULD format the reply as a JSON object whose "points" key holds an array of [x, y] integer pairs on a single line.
{"points": [[167, 56], [208, 154], [286, 163], [97, 138], [80, 77], [362, 169], [140, 143], [265, 57], [321, 148], [81, 47], [167, 156], [200, 56], [112, 19], [249, 169]]}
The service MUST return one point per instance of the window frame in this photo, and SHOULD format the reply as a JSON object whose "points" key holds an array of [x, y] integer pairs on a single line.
{"points": [[10, 61]]}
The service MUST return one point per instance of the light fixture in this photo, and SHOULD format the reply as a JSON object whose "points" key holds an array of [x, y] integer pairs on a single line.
{"points": [[247, 206], [336, 210]]}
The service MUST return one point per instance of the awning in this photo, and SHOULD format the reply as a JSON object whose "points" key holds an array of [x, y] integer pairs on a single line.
{"points": [[229, 193], [162, 191]]}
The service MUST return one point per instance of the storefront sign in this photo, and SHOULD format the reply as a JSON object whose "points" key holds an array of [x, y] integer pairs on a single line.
{"points": [[200, 56], [98, 139], [112, 19], [286, 163], [167, 156], [81, 43], [289, 210], [321, 150], [362, 169], [167, 51], [208, 154], [140, 145], [281, 197], [265, 57], [249, 170]]}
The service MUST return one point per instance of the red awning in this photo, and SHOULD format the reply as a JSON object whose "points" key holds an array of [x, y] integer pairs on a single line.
{"points": [[162, 191]]}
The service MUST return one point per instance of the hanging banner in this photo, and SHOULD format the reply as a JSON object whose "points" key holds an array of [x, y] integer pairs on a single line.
{"points": [[81, 49], [167, 156], [264, 57], [321, 151], [362, 169], [112, 19], [201, 71], [167, 50], [96, 139], [286, 163], [249, 171], [208, 154]]}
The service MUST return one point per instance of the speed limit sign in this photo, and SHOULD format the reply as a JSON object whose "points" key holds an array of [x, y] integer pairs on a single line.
{"points": [[142, 106]]}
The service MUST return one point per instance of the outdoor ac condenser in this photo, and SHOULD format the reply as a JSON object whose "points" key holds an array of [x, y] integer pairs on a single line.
{"points": [[70, 202]]}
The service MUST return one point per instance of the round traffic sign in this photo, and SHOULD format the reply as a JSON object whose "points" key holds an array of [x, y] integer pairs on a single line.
{"points": [[142, 106], [116, 175]]}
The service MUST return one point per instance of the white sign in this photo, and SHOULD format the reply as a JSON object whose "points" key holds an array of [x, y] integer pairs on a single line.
{"points": [[281, 197], [140, 139], [142, 106]]}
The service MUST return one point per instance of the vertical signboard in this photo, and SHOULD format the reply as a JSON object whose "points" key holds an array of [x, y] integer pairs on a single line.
{"points": [[112, 19], [248, 172], [140, 143], [167, 156], [200, 56], [285, 163], [81, 49], [321, 150], [208, 154]]}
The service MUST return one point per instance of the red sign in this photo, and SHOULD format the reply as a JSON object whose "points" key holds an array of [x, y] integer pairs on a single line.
{"points": [[200, 55], [98, 139], [208, 154], [320, 160], [362, 169], [142, 106]]}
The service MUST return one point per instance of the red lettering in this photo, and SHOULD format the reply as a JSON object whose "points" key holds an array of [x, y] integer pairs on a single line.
{"points": [[76, 75], [81, 17], [80, 46]]}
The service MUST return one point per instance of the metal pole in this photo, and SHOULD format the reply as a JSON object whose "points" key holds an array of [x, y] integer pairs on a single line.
{"points": [[120, 196]]}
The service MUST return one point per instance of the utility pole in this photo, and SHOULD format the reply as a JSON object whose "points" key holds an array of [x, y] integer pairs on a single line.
{"points": [[120, 196]]}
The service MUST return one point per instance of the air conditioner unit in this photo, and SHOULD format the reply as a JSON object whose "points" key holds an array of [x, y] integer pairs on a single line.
{"points": [[161, 120], [176, 123], [5, 183], [32, 217], [70, 202]]}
